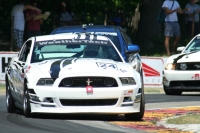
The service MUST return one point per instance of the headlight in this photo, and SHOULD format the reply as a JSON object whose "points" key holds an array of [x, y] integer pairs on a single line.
{"points": [[183, 66], [45, 81], [170, 66], [128, 81]]}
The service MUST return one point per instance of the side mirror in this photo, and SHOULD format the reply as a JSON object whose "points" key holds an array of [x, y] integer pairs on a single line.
{"points": [[131, 48], [180, 49]]}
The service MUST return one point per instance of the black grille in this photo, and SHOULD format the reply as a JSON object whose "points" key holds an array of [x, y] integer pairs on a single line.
{"points": [[185, 83], [96, 82], [190, 66], [88, 102]]}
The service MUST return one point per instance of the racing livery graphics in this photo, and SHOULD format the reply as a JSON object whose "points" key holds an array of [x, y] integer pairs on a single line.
{"points": [[75, 73]]}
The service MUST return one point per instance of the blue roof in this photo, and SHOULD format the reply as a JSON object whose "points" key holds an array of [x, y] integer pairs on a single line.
{"points": [[90, 28]]}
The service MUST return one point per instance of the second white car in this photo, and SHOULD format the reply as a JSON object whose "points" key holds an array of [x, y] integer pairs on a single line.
{"points": [[182, 71]]}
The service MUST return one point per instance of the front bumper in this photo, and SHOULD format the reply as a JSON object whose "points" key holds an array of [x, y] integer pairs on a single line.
{"points": [[182, 80], [49, 100]]}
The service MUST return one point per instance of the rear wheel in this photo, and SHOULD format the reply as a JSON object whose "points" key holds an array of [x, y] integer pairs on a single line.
{"points": [[139, 115], [171, 92], [26, 102], [10, 103]]}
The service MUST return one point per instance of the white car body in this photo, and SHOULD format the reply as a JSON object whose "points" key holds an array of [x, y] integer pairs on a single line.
{"points": [[55, 85], [181, 71]]}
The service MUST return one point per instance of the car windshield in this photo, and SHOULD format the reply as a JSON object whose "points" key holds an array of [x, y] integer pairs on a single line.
{"points": [[111, 35], [194, 45], [59, 49]]}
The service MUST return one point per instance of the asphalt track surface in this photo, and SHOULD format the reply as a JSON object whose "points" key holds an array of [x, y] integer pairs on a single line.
{"points": [[17, 123]]}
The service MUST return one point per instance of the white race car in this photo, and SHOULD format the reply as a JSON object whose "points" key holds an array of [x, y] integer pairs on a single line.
{"points": [[75, 74], [182, 71]]}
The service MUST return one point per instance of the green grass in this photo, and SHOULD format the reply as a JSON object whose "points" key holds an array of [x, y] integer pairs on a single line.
{"points": [[186, 119], [153, 90]]}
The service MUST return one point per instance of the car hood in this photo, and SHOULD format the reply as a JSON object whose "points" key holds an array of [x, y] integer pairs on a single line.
{"points": [[183, 57], [84, 67]]}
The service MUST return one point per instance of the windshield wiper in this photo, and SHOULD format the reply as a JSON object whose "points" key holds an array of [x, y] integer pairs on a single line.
{"points": [[192, 52]]}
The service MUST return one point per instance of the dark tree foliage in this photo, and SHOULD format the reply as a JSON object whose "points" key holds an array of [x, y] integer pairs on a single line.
{"points": [[148, 33]]}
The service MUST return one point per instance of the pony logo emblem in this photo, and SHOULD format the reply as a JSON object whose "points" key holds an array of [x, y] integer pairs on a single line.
{"points": [[89, 81], [89, 89]]}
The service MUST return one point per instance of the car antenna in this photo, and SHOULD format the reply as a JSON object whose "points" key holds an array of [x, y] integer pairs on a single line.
{"points": [[84, 26]]}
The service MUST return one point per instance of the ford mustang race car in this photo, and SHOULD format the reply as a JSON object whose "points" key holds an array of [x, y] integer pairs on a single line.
{"points": [[182, 71], [74, 74]]}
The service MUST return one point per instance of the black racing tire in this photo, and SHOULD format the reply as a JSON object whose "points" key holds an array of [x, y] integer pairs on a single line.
{"points": [[138, 116], [10, 103], [26, 102], [171, 92]]}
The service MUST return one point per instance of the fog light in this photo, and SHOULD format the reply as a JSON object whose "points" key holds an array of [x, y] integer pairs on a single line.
{"points": [[109, 81], [67, 82]]}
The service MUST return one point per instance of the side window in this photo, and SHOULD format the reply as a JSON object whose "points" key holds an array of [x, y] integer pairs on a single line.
{"points": [[126, 38], [25, 51]]}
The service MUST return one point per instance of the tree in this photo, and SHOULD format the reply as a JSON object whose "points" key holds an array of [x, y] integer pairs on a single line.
{"points": [[148, 26]]}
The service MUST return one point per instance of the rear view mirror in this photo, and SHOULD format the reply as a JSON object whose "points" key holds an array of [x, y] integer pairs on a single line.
{"points": [[91, 53], [72, 46]]}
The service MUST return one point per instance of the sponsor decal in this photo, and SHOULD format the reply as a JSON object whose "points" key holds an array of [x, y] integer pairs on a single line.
{"points": [[196, 76], [105, 33], [70, 41], [123, 70], [149, 71], [106, 65], [89, 89]]}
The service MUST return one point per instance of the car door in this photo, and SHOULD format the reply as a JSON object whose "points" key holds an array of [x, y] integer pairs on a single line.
{"points": [[20, 72], [13, 77]]}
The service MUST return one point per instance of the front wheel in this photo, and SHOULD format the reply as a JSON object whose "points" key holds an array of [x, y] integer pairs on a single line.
{"points": [[139, 115], [26, 102], [171, 92]]}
